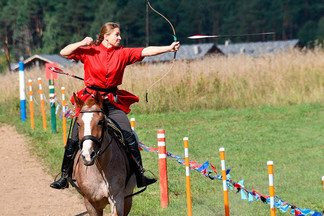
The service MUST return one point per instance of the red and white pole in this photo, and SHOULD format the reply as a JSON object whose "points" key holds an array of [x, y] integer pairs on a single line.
{"points": [[225, 192], [323, 181], [271, 188], [186, 147], [163, 169]]}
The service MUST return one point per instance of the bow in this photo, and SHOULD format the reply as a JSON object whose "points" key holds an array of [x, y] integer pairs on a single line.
{"points": [[174, 32], [175, 53]]}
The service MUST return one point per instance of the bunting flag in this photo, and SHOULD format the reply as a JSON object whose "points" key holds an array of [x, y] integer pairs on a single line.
{"points": [[239, 186], [53, 100], [57, 108]]}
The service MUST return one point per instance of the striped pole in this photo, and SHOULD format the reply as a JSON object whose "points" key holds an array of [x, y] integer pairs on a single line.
{"points": [[52, 104], [163, 169], [225, 192], [42, 102], [32, 125], [271, 188], [63, 116], [186, 147], [323, 181], [22, 89], [133, 124]]}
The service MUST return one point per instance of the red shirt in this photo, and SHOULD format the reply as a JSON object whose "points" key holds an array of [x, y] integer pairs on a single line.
{"points": [[104, 68]]}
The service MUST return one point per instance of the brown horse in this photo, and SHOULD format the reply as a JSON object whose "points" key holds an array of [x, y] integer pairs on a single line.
{"points": [[103, 176]]}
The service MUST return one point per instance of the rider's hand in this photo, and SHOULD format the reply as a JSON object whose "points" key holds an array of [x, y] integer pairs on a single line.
{"points": [[175, 46], [87, 41]]}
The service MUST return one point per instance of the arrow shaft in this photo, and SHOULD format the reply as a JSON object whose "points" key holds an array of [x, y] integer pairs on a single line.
{"points": [[67, 74], [237, 35]]}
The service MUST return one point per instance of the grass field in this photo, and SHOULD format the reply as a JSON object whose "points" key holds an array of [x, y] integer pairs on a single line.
{"points": [[290, 136], [258, 109]]}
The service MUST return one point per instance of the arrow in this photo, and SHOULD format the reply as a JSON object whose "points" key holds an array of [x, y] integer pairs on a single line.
{"points": [[60, 71], [217, 36]]}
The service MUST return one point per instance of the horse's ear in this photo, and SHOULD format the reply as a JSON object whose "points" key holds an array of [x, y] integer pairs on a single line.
{"points": [[98, 100], [78, 102]]}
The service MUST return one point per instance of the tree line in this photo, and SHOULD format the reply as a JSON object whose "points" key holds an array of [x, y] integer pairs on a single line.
{"points": [[45, 26]]}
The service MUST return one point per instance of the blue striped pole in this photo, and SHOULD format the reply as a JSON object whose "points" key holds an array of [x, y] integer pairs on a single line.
{"points": [[22, 89]]}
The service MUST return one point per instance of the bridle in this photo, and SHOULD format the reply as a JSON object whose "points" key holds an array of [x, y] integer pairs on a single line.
{"points": [[95, 139]]}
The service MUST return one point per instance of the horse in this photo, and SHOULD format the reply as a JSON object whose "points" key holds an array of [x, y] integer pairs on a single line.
{"points": [[104, 175]]}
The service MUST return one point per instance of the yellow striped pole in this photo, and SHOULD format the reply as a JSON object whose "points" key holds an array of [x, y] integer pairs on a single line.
{"points": [[186, 147], [133, 124], [63, 117], [42, 102], [32, 125], [225, 192], [271, 188]]}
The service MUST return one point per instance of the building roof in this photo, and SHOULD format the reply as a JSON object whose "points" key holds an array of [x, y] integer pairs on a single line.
{"points": [[186, 52], [258, 48], [31, 61]]}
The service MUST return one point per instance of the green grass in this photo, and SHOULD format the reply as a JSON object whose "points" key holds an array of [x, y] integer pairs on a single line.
{"points": [[291, 136]]}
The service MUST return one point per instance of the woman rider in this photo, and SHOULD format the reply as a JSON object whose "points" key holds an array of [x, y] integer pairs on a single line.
{"points": [[104, 65]]}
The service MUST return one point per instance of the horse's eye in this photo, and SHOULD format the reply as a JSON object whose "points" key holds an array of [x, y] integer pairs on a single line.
{"points": [[100, 123]]}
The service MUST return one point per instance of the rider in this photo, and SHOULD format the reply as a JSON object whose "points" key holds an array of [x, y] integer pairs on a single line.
{"points": [[104, 65]]}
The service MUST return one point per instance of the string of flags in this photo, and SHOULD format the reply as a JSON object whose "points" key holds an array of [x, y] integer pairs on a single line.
{"points": [[239, 186]]}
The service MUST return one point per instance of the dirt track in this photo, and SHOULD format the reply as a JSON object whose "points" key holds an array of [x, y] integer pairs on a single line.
{"points": [[24, 186]]}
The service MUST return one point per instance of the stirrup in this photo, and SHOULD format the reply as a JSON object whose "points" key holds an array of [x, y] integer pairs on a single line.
{"points": [[57, 184], [62, 183], [143, 181]]}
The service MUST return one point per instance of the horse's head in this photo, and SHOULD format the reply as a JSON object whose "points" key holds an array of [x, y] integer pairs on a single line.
{"points": [[91, 123]]}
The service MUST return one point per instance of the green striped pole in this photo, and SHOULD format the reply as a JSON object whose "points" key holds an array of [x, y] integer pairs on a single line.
{"points": [[52, 104]]}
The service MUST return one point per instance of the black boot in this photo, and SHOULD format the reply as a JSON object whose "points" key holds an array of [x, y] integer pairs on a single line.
{"points": [[67, 166], [141, 179]]}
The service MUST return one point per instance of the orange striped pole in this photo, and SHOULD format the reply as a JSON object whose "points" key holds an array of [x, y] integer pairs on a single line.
{"points": [[42, 102], [133, 124], [32, 124], [186, 147], [271, 188], [225, 192], [323, 181], [63, 117], [163, 169]]}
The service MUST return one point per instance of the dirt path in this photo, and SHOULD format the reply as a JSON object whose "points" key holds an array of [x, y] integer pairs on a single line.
{"points": [[24, 186]]}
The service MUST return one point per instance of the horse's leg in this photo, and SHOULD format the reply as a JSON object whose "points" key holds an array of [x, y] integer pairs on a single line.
{"points": [[128, 191], [127, 205], [91, 209], [117, 205]]}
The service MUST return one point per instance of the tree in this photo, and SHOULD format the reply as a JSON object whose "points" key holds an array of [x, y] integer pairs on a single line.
{"points": [[320, 30], [107, 12], [308, 32]]}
